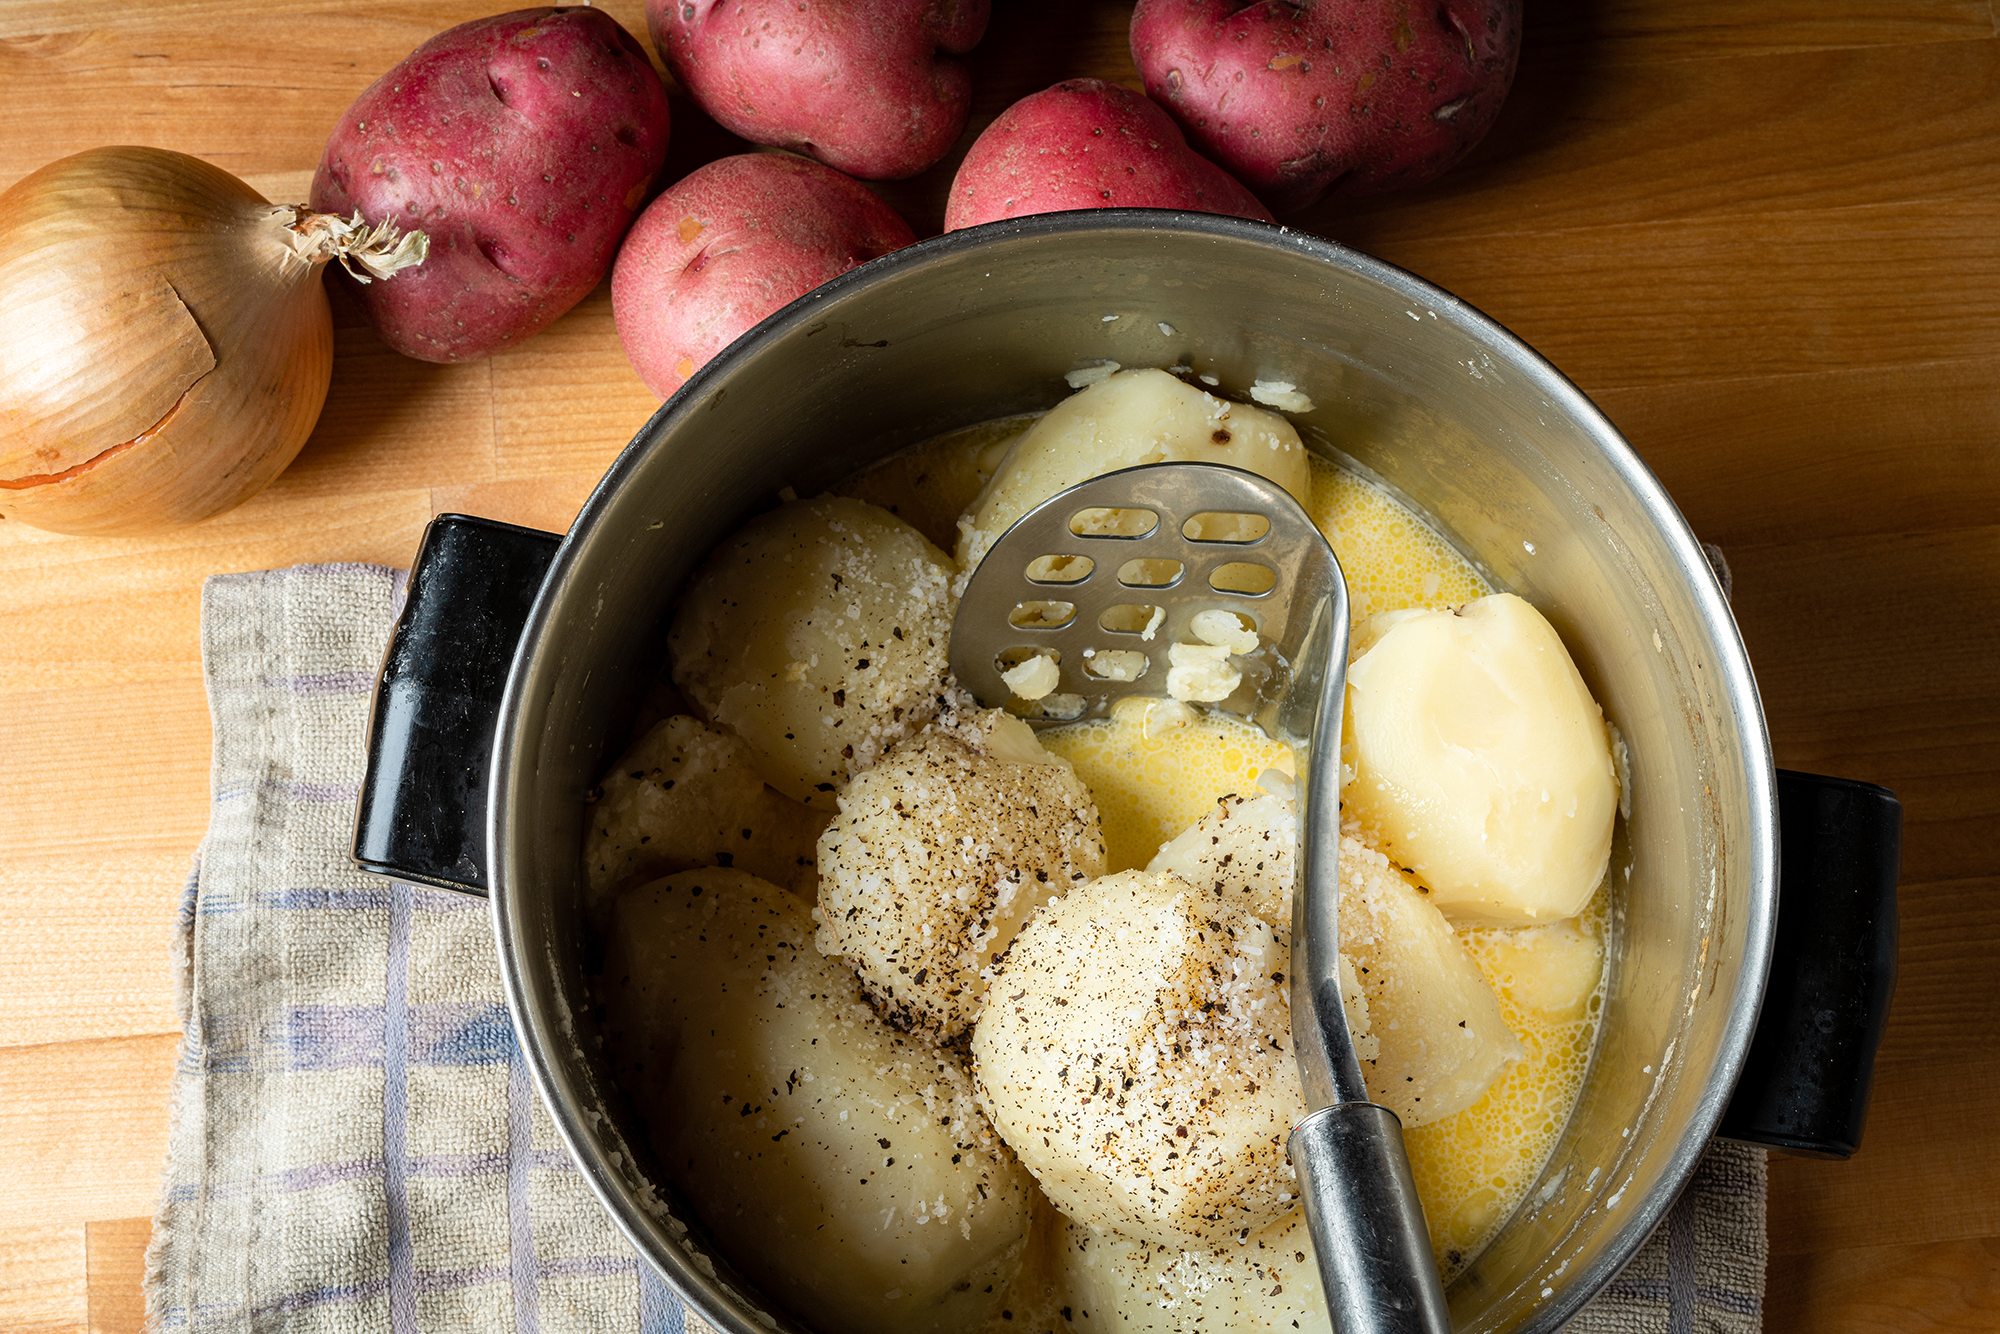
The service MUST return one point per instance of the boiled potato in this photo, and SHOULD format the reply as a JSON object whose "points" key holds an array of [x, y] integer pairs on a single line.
{"points": [[1442, 1040], [1480, 760], [818, 633], [1136, 1051], [1552, 970], [1133, 417], [1426, 1024], [1268, 1281], [689, 795], [1244, 851], [940, 853], [843, 1166]]}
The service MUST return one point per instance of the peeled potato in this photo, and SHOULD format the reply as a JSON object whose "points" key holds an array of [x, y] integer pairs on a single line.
{"points": [[940, 853], [1136, 1052], [818, 633], [1441, 1039], [1552, 970], [1480, 760], [843, 1166], [1425, 1021], [1267, 1282], [689, 795], [1133, 417], [1244, 851]]}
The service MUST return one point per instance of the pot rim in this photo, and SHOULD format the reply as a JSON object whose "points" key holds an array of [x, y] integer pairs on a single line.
{"points": [[543, 1024]]}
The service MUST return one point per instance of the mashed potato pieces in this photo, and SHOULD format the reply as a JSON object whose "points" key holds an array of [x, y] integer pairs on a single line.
{"points": [[844, 1167], [1136, 1051], [940, 853], [819, 634]]}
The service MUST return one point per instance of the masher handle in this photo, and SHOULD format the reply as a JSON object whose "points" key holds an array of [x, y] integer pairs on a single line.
{"points": [[1367, 1225]]}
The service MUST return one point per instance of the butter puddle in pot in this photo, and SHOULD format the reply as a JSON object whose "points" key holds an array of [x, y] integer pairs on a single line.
{"points": [[940, 1025]]}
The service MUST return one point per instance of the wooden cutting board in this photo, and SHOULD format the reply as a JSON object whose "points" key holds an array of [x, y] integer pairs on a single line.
{"points": [[1763, 234]]}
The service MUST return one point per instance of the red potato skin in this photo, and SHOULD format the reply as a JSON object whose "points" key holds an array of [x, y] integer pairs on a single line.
{"points": [[856, 84], [1086, 143], [730, 243], [523, 144], [1302, 98]]}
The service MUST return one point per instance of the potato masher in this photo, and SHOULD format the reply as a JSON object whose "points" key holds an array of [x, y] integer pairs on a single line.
{"points": [[1103, 578]]}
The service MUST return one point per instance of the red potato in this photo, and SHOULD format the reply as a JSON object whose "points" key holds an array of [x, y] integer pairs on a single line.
{"points": [[730, 243], [1301, 98], [523, 144], [859, 85], [1086, 143]]}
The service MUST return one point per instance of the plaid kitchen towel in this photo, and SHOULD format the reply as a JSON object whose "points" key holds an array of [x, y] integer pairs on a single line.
{"points": [[355, 1142]]}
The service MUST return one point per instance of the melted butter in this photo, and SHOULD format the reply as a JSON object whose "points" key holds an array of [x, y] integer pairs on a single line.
{"points": [[1392, 558], [1472, 1169], [1152, 779]]}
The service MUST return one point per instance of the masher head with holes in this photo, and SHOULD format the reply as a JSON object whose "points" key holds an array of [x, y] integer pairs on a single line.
{"points": [[1104, 578]]}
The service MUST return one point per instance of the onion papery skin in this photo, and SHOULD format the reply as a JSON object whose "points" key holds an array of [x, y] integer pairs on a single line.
{"points": [[164, 352]]}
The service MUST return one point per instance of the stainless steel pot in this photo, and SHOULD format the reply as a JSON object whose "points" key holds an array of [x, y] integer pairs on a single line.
{"points": [[1440, 403]]}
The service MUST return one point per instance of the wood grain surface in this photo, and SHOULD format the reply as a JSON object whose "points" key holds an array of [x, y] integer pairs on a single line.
{"points": [[1763, 234]]}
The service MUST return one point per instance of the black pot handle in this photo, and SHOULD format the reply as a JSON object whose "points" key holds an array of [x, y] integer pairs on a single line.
{"points": [[422, 814], [1805, 1084]]}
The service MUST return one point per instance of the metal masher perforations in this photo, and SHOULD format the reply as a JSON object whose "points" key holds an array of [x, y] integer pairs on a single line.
{"points": [[1105, 578]]}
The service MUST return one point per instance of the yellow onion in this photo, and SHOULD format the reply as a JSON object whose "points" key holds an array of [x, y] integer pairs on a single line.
{"points": [[166, 344]]}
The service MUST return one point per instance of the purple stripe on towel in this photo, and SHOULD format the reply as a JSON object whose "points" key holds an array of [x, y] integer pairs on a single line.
{"points": [[323, 683], [293, 1179], [443, 1280], [552, 1160], [1724, 1299], [332, 793], [660, 1309], [395, 1114], [465, 1034], [313, 898], [298, 1301], [521, 1222], [457, 1164], [320, 1174], [586, 1266], [333, 1037]]}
